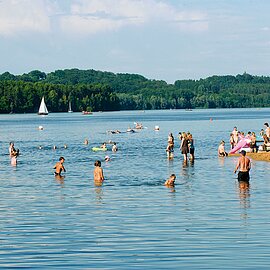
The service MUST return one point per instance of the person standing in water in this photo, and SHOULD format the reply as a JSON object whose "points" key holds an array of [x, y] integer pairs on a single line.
{"points": [[13, 153], [235, 136], [244, 166], [98, 172], [114, 147], [169, 151], [171, 139], [59, 167], [184, 146], [191, 147]]}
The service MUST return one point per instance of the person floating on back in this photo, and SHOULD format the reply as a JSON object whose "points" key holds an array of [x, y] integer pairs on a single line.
{"points": [[98, 173], [170, 182], [59, 167]]}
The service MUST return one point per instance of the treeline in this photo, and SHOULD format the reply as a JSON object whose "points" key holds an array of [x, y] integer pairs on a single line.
{"points": [[25, 97], [103, 91]]}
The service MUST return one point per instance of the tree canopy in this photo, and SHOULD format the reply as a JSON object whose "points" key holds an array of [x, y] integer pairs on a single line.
{"points": [[105, 91]]}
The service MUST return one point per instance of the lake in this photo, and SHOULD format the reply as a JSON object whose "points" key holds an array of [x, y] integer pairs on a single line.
{"points": [[133, 221]]}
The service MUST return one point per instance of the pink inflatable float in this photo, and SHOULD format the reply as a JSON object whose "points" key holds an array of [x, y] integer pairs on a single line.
{"points": [[242, 143]]}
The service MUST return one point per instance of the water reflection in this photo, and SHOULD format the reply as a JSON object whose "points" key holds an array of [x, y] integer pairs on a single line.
{"points": [[244, 194], [221, 161], [99, 194], [60, 179]]}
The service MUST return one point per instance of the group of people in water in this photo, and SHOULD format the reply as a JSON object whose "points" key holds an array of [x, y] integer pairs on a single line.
{"points": [[250, 140], [186, 146]]}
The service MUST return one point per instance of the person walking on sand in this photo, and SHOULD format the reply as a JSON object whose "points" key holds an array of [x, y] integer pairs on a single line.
{"points": [[244, 166], [59, 167], [98, 172]]}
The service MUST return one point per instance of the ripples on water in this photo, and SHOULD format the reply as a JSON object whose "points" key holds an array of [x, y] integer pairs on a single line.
{"points": [[132, 221]]}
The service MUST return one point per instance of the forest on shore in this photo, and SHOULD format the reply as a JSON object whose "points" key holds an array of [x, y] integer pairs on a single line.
{"points": [[93, 90]]}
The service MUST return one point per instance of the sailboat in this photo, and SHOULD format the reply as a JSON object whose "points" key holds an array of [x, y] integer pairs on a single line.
{"points": [[69, 108], [42, 108]]}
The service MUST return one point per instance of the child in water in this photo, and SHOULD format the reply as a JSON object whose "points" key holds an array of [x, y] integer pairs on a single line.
{"points": [[170, 181], [221, 150], [59, 167], [98, 172]]}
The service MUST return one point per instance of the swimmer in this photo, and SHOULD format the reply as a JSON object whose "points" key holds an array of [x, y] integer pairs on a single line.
{"points": [[65, 146], [54, 147], [114, 147], [40, 147], [59, 167], [98, 172], [86, 142], [107, 158], [170, 182], [103, 145]]}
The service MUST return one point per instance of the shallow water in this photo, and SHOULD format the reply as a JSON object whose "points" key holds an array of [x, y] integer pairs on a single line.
{"points": [[132, 221]]}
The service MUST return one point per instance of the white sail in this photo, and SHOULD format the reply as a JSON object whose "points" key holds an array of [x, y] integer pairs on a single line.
{"points": [[42, 108], [69, 108]]}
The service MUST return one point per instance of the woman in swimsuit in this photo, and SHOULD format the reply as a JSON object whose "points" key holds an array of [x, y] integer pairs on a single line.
{"points": [[184, 145]]}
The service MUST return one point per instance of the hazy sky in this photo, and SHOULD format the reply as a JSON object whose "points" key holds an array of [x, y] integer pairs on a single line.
{"points": [[159, 39]]}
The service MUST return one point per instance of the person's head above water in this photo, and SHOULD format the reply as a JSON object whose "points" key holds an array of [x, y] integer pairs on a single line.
{"points": [[266, 124], [97, 163], [62, 159]]}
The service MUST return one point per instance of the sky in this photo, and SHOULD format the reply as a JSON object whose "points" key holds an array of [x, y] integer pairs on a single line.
{"points": [[160, 39]]}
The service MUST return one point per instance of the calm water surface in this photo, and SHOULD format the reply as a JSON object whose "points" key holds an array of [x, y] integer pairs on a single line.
{"points": [[132, 221]]}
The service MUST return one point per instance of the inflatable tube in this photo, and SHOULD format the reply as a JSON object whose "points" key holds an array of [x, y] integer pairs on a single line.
{"points": [[99, 149], [240, 145]]}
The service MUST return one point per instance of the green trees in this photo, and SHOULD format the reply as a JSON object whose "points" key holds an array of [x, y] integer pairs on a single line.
{"points": [[104, 91], [21, 97]]}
